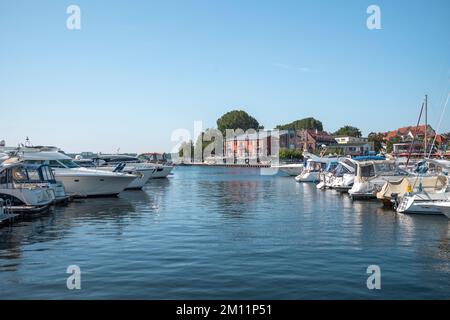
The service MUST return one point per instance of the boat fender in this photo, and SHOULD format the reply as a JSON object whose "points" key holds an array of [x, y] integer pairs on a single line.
{"points": [[409, 188]]}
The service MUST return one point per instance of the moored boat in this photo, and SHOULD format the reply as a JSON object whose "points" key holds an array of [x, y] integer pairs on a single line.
{"points": [[77, 181], [314, 167], [372, 175], [394, 190], [21, 193]]}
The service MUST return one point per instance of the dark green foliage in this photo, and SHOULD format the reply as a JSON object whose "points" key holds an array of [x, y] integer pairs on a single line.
{"points": [[237, 119], [306, 123], [348, 131]]}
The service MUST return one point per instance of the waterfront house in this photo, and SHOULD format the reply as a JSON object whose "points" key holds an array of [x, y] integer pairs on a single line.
{"points": [[352, 146], [412, 138], [248, 147], [265, 144]]}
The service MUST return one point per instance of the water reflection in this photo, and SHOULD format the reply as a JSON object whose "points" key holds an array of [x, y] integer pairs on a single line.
{"points": [[59, 220]]}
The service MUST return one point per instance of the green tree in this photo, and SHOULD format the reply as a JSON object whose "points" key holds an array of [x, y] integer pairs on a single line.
{"points": [[391, 142], [290, 154], [348, 131], [306, 123], [377, 138], [237, 119]]}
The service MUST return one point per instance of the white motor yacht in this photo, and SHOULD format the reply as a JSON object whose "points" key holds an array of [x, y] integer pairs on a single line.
{"points": [[20, 192], [77, 181], [333, 175], [313, 169], [154, 170], [442, 206], [422, 194], [405, 186], [422, 203], [372, 175]]}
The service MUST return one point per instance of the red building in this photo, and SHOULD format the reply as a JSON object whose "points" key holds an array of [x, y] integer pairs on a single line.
{"points": [[265, 144]]}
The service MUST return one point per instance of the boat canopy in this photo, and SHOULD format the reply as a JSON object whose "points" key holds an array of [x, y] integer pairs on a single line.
{"points": [[367, 169], [26, 173], [426, 184]]}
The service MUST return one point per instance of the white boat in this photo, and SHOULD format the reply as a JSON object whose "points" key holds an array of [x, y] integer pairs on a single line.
{"points": [[43, 175], [153, 169], [142, 174], [77, 181], [442, 206], [336, 177], [313, 169], [420, 201], [372, 175], [20, 192], [293, 169], [394, 190]]}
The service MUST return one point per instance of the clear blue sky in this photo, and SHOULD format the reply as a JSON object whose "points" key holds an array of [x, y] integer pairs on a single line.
{"points": [[137, 70]]}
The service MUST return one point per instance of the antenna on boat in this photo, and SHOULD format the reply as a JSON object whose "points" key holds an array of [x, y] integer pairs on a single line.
{"points": [[28, 142], [415, 134], [439, 124], [426, 125]]}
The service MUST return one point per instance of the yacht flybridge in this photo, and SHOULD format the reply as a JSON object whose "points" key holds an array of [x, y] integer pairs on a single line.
{"points": [[77, 181]]}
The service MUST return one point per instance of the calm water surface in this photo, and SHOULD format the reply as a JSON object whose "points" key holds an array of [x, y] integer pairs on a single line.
{"points": [[208, 233]]}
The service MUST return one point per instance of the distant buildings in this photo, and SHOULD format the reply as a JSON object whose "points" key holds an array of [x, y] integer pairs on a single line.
{"points": [[260, 145], [253, 146], [263, 145], [412, 139]]}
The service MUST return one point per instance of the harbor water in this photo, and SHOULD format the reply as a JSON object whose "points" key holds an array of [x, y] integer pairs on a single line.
{"points": [[218, 233]]}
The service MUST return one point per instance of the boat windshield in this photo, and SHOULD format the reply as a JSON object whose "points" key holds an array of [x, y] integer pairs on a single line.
{"points": [[63, 163], [47, 174], [33, 175], [367, 170], [341, 170]]}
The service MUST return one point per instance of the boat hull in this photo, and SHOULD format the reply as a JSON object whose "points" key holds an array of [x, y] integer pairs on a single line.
{"points": [[413, 204], [36, 197], [308, 177], [94, 185], [161, 172]]}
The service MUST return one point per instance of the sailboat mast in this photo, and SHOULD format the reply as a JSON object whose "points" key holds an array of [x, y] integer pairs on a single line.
{"points": [[426, 125]]}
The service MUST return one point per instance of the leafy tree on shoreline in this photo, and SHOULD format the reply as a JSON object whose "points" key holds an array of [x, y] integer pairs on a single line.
{"points": [[377, 138], [305, 123], [237, 119], [348, 131]]}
